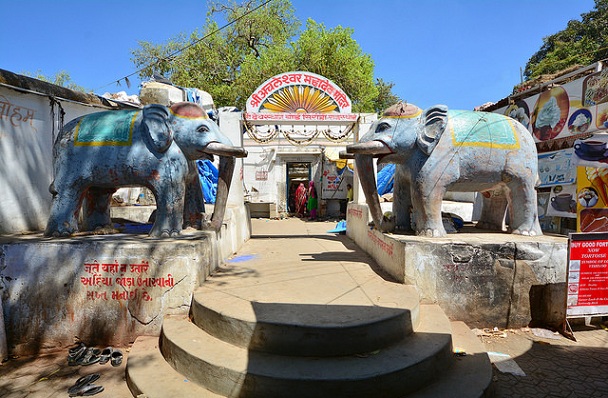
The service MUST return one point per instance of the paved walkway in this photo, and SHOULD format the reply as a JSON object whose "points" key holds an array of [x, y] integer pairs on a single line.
{"points": [[553, 366]]}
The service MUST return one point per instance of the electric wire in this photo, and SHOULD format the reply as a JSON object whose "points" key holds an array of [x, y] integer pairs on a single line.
{"points": [[176, 52]]}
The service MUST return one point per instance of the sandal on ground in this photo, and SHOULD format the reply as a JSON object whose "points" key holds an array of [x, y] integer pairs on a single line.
{"points": [[86, 390], [77, 348], [83, 381], [91, 356], [76, 353], [105, 355], [116, 358]]}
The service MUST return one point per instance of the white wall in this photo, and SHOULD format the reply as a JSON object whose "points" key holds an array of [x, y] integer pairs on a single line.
{"points": [[29, 122]]}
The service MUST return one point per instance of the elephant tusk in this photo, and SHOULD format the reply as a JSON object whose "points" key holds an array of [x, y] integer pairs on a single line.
{"points": [[217, 148], [345, 155], [369, 148]]}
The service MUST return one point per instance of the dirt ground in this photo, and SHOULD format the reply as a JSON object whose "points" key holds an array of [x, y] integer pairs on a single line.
{"points": [[49, 375], [535, 363]]}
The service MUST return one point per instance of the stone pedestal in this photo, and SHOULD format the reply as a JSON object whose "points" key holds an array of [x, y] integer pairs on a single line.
{"points": [[100, 289], [481, 278]]}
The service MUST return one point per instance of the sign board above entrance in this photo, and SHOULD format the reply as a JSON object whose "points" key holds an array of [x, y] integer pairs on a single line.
{"points": [[299, 106], [298, 92]]}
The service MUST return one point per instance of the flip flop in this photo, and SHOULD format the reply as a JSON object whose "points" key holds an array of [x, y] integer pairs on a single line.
{"points": [[84, 380], [86, 390], [91, 356], [77, 348], [116, 358], [76, 353], [105, 356]]}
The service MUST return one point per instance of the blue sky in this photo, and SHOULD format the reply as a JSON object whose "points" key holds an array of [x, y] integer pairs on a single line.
{"points": [[461, 53]]}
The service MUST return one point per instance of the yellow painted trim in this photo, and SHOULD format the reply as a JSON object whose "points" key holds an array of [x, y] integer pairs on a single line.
{"points": [[515, 145], [204, 116], [106, 143]]}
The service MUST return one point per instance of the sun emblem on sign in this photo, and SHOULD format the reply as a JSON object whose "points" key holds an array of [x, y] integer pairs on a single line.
{"points": [[300, 99]]}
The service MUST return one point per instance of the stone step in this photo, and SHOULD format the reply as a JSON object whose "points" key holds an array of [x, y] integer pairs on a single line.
{"points": [[150, 375], [388, 312], [233, 371], [469, 376]]}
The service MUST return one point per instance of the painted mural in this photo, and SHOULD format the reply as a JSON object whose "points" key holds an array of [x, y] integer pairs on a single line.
{"points": [[558, 116]]}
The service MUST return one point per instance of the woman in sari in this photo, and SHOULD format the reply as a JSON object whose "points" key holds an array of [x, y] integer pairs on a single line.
{"points": [[301, 200], [312, 201]]}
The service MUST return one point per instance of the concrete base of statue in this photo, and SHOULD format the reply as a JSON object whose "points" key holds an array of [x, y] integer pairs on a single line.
{"points": [[105, 289], [482, 278]]}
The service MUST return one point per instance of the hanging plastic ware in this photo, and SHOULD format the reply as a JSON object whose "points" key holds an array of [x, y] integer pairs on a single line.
{"points": [[208, 175], [386, 177]]}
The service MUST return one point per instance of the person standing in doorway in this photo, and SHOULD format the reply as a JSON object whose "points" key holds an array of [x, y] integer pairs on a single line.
{"points": [[301, 200], [312, 201]]}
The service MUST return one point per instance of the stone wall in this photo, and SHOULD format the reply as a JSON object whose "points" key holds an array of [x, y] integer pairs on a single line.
{"points": [[483, 279]]}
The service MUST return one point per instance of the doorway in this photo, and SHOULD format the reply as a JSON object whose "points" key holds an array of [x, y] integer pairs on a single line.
{"points": [[296, 173]]}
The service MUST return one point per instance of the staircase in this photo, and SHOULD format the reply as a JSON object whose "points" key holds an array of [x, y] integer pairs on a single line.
{"points": [[232, 347], [300, 313]]}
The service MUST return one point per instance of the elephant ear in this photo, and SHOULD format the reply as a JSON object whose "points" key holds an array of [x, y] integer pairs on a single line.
{"points": [[432, 125], [155, 124]]}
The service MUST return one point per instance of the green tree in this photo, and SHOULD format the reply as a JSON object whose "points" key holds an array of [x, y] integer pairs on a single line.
{"points": [[213, 58], [580, 43], [333, 53], [232, 62], [61, 78], [385, 97]]}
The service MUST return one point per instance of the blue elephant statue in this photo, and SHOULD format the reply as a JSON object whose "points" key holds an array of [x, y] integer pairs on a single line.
{"points": [[155, 147], [439, 150]]}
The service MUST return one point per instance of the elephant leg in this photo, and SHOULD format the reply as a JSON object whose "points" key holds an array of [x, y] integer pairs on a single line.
{"points": [[427, 210], [523, 207], [402, 204], [169, 208], [96, 208], [63, 219], [493, 210], [194, 203]]}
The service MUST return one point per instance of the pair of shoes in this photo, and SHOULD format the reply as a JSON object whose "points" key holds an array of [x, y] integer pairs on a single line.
{"points": [[112, 355], [81, 355], [105, 355], [116, 358], [83, 386], [91, 356], [75, 353]]}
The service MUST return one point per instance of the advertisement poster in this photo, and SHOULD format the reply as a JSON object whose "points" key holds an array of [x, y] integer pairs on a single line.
{"points": [[587, 275], [592, 199], [556, 168], [335, 180], [562, 201], [571, 110], [592, 151]]}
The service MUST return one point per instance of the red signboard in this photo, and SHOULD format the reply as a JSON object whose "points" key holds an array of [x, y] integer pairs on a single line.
{"points": [[588, 274]]}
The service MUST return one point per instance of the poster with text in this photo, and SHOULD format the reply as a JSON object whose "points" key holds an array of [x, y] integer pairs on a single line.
{"points": [[592, 199], [587, 274], [556, 168]]}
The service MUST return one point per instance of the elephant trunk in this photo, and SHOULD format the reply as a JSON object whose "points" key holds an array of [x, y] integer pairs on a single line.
{"points": [[226, 171], [367, 177], [220, 149]]}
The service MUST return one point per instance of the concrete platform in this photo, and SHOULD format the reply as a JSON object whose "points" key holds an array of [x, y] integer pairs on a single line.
{"points": [[556, 367], [105, 289], [477, 277], [303, 313]]}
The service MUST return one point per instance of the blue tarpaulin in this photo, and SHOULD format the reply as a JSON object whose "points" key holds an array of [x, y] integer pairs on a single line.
{"points": [[208, 175], [386, 176]]}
